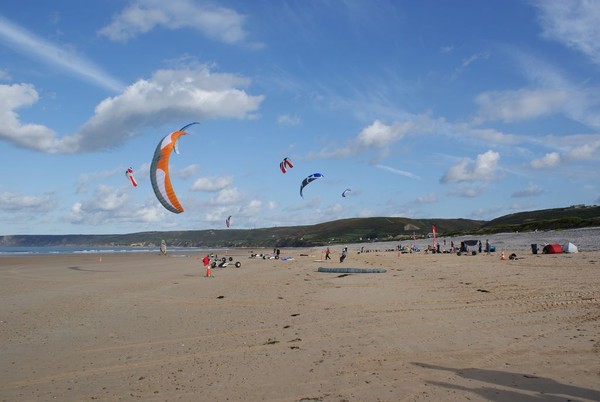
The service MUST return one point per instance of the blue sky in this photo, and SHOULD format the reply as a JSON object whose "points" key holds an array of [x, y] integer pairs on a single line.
{"points": [[424, 109]]}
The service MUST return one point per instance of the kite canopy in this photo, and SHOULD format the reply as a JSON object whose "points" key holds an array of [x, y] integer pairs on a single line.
{"points": [[129, 175], [308, 180], [159, 171], [285, 164], [345, 192], [228, 221]]}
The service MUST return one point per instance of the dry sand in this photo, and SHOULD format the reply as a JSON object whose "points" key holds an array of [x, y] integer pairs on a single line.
{"points": [[436, 327]]}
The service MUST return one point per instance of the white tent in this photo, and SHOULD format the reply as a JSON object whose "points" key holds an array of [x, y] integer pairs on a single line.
{"points": [[569, 247]]}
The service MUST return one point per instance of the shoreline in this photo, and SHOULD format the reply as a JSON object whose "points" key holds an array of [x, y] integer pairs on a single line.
{"points": [[586, 239]]}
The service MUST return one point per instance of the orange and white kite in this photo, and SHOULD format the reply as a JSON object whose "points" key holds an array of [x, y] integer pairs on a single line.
{"points": [[159, 171]]}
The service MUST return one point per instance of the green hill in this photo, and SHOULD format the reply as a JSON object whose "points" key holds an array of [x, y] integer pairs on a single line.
{"points": [[575, 216], [341, 231]]}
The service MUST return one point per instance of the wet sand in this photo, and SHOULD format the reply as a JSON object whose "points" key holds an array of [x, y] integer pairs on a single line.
{"points": [[433, 327]]}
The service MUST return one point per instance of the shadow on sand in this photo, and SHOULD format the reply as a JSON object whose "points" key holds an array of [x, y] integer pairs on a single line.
{"points": [[87, 270], [521, 386]]}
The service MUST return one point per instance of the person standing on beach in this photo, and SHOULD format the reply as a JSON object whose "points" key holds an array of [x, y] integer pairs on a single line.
{"points": [[344, 254], [327, 252], [206, 261]]}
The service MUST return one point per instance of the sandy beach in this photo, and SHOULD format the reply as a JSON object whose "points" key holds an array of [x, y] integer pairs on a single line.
{"points": [[436, 327]]}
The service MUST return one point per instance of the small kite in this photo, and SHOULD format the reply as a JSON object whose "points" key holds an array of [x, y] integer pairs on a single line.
{"points": [[228, 221], [345, 191], [129, 175], [285, 164], [159, 171], [309, 179]]}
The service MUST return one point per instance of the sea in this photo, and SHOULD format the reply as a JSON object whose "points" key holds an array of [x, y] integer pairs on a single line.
{"points": [[61, 250], [586, 239]]}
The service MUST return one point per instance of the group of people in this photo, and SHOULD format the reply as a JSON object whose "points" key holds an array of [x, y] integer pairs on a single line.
{"points": [[343, 255], [487, 247], [463, 248]]}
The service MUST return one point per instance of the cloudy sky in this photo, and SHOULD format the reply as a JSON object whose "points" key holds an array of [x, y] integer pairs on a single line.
{"points": [[424, 109]]}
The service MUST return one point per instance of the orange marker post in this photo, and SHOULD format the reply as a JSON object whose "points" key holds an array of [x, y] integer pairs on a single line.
{"points": [[206, 262]]}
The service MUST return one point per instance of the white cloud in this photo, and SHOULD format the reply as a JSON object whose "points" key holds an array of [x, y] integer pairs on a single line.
{"points": [[107, 198], [572, 23], [378, 134], [427, 198], [15, 203], [34, 136], [33, 46], [226, 196], [104, 206], [288, 120], [211, 184], [485, 213], [530, 191], [186, 172], [471, 59], [587, 151], [112, 205], [466, 170], [253, 208], [398, 172], [220, 23], [523, 104], [381, 135], [84, 178], [4, 75], [215, 214], [489, 135], [467, 191], [547, 161], [466, 62], [580, 100], [169, 96]]}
